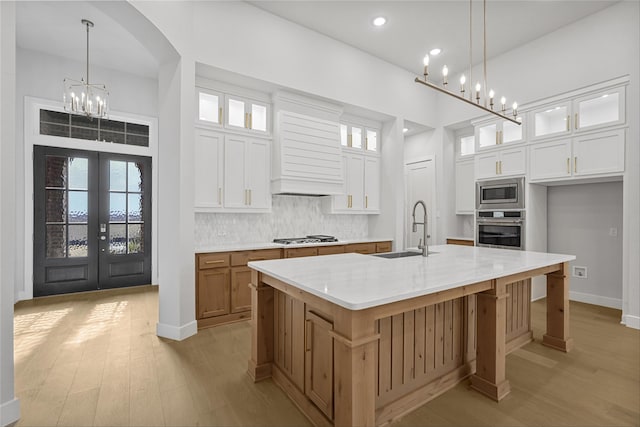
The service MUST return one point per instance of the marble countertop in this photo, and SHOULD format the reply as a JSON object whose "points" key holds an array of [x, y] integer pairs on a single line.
{"points": [[357, 281], [270, 245]]}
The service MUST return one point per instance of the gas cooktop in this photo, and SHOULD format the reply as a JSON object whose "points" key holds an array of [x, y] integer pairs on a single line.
{"points": [[319, 238]]}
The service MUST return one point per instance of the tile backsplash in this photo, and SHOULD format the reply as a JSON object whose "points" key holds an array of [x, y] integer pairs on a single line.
{"points": [[291, 216]]}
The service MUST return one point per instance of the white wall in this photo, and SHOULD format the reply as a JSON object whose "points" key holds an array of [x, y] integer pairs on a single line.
{"points": [[568, 59], [579, 221], [128, 93]]}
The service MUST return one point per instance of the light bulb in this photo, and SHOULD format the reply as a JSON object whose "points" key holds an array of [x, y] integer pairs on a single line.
{"points": [[491, 93], [463, 79], [425, 60], [503, 100], [445, 71], [515, 106], [379, 21], [478, 87]]}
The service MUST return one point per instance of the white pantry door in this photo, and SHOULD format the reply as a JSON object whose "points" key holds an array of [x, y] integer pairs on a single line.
{"points": [[420, 182]]}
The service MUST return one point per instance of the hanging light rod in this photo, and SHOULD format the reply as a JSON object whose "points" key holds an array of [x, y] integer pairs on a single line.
{"points": [[487, 97]]}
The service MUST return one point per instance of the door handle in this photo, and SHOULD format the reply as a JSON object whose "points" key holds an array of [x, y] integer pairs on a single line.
{"points": [[568, 123], [103, 237]]}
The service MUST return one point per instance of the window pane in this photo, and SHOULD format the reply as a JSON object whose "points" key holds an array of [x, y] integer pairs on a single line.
{"points": [[111, 126], [467, 145], [54, 129], [356, 137], [113, 137], [54, 117], [56, 206], [135, 207], [83, 121], [78, 206], [78, 173], [135, 242], [138, 140], [117, 207], [117, 176], [208, 109], [344, 138], [82, 133], [134, 178], [236, 113], [78, 241], [372, 140], [56, 172], [259, 117], [137, 129], [117, 239], [56, 241]]}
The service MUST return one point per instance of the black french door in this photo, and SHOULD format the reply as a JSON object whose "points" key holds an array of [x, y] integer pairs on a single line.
{"points": [[92, 221]]}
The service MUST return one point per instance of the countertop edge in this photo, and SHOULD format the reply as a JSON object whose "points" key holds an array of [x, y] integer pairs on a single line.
{"points": [[270, 245]]}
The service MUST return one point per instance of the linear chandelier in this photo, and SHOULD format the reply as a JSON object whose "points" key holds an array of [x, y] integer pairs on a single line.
{"points": [[486, 106], [82, 97]]}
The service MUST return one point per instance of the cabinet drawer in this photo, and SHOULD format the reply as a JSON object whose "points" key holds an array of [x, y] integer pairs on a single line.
{"points": [[214, 260], [300, 252], [383, 247], [330, 250], [361, 248], [463, 242], [242, 258]]}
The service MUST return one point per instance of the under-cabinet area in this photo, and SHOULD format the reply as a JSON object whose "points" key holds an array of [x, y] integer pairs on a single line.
{"points": [[223, 278]]}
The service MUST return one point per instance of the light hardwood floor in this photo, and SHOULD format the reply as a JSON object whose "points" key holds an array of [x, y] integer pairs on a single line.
{"points": [[94, 359]]}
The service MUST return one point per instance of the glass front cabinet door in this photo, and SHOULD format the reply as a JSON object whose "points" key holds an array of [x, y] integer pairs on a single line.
{"points": [[209, 107], [596, 110], [499, 132], [243, 113], [552, 120]]}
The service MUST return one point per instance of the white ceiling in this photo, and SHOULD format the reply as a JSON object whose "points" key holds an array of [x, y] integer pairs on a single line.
{"points": [[413, 27]]}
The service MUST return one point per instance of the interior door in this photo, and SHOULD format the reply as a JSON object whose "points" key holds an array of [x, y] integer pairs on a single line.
{"points": [[420, 185], [92, 227]]}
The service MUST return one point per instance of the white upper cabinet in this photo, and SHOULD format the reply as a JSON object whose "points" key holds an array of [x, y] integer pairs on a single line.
{"points": [[467, 146], [208, 163], [596, 110], [209, 107], [465, 187], [550, 160], [371, 140], [372, 184], [246, 173], [361, 193], [359, 137], [552, 120], [499, 132], [499, 163], [244, 113]]}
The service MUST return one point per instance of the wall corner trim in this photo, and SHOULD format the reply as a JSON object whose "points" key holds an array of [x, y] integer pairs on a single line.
{"points": [[10, 412], [177, 333], [631, 321]]}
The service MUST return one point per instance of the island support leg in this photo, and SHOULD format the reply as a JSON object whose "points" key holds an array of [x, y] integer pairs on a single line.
{"points": [[261, 328], [354, 370], [557, 335], [490, 377]]}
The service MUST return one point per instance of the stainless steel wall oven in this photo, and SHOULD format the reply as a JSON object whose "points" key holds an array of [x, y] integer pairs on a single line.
{"points": [[501, 229]]}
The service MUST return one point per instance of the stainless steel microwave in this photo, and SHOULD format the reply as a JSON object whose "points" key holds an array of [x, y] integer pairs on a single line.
{"points": [[500, 194]]}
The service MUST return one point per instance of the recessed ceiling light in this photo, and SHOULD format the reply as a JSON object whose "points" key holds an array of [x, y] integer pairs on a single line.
{"points": [[435, 51], [405, 130], [379, 21]]}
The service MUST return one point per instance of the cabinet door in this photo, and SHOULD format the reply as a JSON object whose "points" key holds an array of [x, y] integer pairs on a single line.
{"points": [[240, 291], [355, 182], [486, 165], [209, 165], [258, 174], [599, 153], [465, 188], [487, 135], [235, 189], [213, 292], [341, 201], [209, 107], [552, 120], [318, 366], [549, 160], [605, 108], [512, 162], [372, 183], [371, 140], [511, 132]]}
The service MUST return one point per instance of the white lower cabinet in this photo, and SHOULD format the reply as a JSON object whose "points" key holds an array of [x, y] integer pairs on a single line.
{"points": [[465, 187], [361, 186], [589, 155], [233, 173], [500, 162]]}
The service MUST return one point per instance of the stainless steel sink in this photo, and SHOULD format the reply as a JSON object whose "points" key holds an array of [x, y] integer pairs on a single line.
{"points": [[401, 254]]}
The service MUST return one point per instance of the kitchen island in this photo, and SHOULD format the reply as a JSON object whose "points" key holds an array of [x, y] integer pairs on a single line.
{"points": [[361, 340]]}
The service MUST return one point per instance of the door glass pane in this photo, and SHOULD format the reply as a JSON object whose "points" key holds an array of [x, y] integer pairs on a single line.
{"points": [[208, 110], [550, 121], [356, 137], [343, 135], [56, 172], [117, 207], [117, 175], [55, 241], [236, 113], [117, 239], [135, 242], [372, 140], [78, 241], [78, 173], [511, 132], [56, 206], [259, 117], [78, 206], [134, 181], [467, 145], [603, 109], [134, 207], [487, 136]]}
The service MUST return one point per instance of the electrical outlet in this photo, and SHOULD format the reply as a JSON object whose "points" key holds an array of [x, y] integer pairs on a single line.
{"points": [[580, 272], [613, 232]]}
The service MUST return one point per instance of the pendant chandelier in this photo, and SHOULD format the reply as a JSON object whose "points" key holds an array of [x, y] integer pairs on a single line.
{"points": [[82, 97], [474, 96]]}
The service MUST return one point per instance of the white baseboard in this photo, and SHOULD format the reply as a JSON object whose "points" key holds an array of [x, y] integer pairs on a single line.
{"points": [[9, 412], [177, 333], [631, 321], [596, 300]]}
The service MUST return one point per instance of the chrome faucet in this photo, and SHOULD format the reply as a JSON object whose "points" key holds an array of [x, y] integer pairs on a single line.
{"points": [[425, 247]]}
